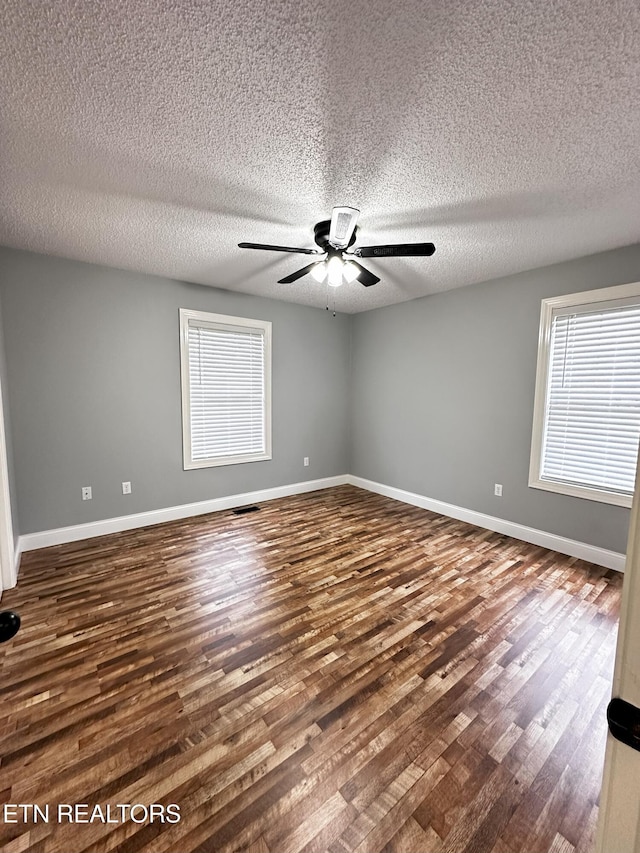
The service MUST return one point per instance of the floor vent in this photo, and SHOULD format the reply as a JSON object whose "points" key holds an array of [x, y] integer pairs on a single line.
{"points": [[241, 510]]}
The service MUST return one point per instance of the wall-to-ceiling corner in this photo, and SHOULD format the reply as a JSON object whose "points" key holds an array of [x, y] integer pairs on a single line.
{"points": [[93, 370], [443, 391]]}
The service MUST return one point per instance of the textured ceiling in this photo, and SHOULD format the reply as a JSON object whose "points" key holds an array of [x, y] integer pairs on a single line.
{"points": [[155, 136]]}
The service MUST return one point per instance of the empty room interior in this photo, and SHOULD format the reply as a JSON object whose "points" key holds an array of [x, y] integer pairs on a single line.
{"points": [[319, 419]]}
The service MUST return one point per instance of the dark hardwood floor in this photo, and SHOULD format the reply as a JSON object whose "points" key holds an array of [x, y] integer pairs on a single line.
{"points": [[337, 672]]}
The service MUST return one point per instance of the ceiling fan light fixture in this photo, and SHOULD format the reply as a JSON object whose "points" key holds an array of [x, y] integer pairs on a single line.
{"points": [[333, 238], [319, 272], [334, 271]]}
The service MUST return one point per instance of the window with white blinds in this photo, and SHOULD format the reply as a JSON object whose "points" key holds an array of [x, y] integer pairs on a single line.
{"points": [[226, 409], [587, 410]]}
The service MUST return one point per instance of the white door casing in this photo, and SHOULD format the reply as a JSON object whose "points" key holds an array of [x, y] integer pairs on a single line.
{"points": [[8, 569], [619, 821]]}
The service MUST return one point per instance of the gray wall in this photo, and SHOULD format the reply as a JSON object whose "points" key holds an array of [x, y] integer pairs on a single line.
{"points": [[434, 396], [94, 391], [442, 397]]}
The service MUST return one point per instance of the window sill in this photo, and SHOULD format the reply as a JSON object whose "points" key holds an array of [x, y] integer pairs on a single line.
{"points": [[225, 460], [598, 495]]}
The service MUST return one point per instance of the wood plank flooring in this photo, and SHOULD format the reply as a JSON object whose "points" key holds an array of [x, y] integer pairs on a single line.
{"points": [[336, 672]]}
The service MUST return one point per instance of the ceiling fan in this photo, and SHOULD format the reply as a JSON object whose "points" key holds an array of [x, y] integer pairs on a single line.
{"points": [[334, 237]]}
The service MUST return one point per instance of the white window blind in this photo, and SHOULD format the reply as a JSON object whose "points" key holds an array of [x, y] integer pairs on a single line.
{"points": [[592, 417], [227, 389]]}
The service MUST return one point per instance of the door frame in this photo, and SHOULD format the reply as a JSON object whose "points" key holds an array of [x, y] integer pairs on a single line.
{"points": [[619, 816], [8, 567]]}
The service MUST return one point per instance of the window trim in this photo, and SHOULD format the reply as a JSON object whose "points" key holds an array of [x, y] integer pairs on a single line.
{"points": [[550, 307], [221, 321]]}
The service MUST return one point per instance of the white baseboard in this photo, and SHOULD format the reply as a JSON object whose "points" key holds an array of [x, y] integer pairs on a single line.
{"points": [[571, 547], [31, 541], [590, 553]]}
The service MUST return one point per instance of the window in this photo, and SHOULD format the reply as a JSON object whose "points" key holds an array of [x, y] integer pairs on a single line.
{"points": [[586, 422], [226, 389]]}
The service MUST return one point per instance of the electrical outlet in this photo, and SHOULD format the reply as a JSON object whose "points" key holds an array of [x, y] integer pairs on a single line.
{"points": [[126, 488], [86, 493], [306, 461], [497, 490]]}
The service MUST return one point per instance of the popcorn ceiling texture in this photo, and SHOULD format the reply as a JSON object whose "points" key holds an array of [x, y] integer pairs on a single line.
{"points": [[155, 136]]}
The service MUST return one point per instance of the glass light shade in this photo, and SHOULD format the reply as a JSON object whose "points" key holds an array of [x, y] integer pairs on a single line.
{"points": [[334, 269], [319, 272], [350, 271]]}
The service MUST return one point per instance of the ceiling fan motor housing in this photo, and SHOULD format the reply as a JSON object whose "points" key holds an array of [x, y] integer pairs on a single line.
{"points": [[321, 235]]}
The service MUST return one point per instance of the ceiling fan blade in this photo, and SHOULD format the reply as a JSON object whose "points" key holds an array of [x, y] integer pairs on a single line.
{"points": [[294, 276], [278, 248], [397, 250], [343, 224], [364, 276]]}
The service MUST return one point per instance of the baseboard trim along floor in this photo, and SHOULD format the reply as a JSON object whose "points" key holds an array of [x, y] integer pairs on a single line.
{"points": [[77, 532], [571, 547]]}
